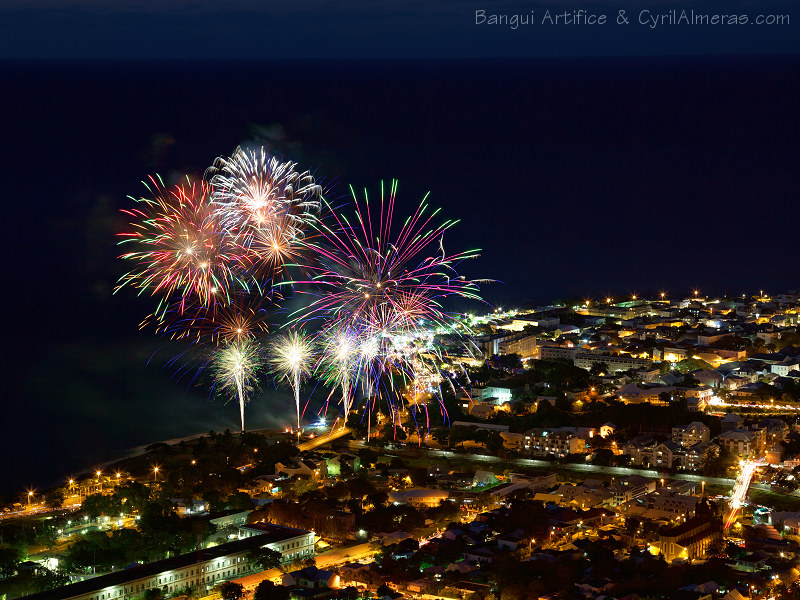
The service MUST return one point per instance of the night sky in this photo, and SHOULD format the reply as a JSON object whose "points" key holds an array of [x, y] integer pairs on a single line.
{"points": [[582, 161]]}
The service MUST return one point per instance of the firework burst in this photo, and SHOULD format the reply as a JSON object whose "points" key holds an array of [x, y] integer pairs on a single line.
{"points": [[367, 274], [178, 249], [235, 368], [263, 204], [292, 358]]}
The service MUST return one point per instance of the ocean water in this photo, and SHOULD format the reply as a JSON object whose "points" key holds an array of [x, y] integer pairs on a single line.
{"points": [[575, 177]]}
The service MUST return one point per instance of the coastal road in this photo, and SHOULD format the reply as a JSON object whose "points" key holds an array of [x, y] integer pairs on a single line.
{"points": [[586, 469], [323, 439]]}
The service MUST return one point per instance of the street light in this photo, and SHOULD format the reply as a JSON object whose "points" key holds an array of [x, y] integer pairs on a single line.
{"points": [[155, 474], [30, 495], [703, 484]]}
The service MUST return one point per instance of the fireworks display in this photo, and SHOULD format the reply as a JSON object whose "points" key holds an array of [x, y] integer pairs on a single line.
{"points": [[215, 254]]}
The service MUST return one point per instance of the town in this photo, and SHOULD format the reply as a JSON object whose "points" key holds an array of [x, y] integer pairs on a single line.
{"points": [[613, 448]]}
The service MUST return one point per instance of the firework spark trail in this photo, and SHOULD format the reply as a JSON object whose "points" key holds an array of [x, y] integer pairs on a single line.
{"points": [[235, 368], [245, 316], [292, 358]]}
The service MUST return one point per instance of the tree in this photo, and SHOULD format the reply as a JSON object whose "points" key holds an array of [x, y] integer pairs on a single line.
{"points": [[230, 590], [494, 442], [603, 457], [368, 456], [240, 501], [441, 435], [9, 561], [264, 557], [54, 498], [598, 368], [267, 590]]}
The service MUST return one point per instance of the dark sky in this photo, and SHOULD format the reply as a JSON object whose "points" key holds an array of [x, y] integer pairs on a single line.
{"points": [[266, 29], [584, 162]]}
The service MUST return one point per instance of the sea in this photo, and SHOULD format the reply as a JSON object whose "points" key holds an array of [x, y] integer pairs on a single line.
{"points": [[577, 178]]}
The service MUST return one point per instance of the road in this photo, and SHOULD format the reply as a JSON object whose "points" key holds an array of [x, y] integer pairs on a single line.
{"points": [[337, 556], [323, 439], [546, 464]]}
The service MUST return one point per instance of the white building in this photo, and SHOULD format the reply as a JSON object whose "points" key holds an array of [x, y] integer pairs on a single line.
{"points": [[202, 569]]}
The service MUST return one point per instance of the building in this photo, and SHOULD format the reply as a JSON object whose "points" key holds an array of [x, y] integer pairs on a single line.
{"points": [[786, 366], [732, 421], [524, 345], [669, 354], [632, 487], [311, 578], [693, 457], [501, 392], [709, 377], [691, 434], [548, 352], [615, 363], [743, 442], [632, 393], [202, 569], [559, 442], [620, 311], [420, 498], [689, 540]]}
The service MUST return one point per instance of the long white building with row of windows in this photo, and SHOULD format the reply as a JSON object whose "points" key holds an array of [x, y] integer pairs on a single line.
{"points": [[201, 570]]}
